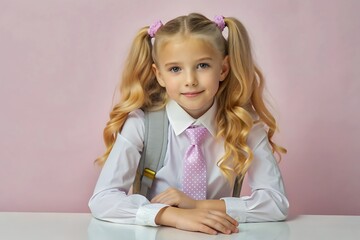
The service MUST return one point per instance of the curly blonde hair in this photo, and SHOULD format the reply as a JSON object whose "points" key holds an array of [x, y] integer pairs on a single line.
{"points": [[239, 96]]}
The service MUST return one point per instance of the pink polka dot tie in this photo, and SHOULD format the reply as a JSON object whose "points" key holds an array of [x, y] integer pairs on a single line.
{"points": [[194, 175]]}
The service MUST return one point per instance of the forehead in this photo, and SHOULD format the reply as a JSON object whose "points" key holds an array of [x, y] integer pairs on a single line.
{"points": [[186, 47]]}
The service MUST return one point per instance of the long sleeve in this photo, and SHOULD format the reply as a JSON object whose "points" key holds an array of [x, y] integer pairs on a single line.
{"points": [[110, 200], [268, 201]]}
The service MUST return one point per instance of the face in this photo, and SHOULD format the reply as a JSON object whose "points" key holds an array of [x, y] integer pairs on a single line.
{"points": [[191, 69]]}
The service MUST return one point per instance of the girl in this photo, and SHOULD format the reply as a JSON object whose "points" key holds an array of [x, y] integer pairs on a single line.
{"points": [[204, 81]]}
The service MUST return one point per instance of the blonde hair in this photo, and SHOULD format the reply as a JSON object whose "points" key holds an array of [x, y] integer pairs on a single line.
{"points": [[239, 96]]}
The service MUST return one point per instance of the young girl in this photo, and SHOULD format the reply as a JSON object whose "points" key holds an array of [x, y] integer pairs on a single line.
{"points": [[204, 81]]}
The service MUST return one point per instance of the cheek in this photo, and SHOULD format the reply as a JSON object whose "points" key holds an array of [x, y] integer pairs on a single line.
{"points": [[212, 80], [213, 86], [213, 74], [171, 87]]}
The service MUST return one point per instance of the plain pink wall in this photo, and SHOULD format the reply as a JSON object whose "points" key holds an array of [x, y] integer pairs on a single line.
{"points": [[61, 60]]}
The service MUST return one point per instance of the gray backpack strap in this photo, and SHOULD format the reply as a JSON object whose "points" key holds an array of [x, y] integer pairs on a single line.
{"points": [[237, 186], [155, 144], [153, 155]]}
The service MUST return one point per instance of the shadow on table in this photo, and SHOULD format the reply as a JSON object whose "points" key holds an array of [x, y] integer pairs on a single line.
{"points": [[100, 230]]}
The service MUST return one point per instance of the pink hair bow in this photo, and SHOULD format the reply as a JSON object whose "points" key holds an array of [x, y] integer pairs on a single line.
{"points": [[154, 28], [219, 21]]}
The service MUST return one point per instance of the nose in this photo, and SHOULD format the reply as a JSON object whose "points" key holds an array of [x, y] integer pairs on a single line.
{"points": [[191, 79]]}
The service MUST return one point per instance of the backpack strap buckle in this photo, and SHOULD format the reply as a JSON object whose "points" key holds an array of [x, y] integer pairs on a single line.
{"points": [[149, 173]]}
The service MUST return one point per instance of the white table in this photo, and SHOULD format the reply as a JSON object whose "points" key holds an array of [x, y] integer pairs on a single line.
{"points": [[68, 226]]}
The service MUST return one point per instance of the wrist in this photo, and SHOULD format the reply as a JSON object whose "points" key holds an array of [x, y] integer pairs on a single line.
{"points": [[199, 203], [218, 205], [166, 217]]}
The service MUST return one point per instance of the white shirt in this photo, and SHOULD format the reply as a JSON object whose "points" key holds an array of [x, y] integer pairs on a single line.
{"points": [[112, 201]]}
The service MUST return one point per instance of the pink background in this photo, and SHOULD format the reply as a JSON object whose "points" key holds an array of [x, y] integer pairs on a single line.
{"points": [[61, 60]]}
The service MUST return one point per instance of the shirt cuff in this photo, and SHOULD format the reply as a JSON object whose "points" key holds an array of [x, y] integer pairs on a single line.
{"points": [[235, 208], [146, 214]]}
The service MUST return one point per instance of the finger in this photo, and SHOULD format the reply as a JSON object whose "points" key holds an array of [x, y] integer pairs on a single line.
{"points": [[155, 199], [226, 216], [222, 223], [165, 199], [216, 225], [168, 201], [206, 229], [158, 197], [162, 195]]}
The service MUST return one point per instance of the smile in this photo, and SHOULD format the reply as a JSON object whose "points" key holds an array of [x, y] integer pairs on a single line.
{"points": [[192, 94]]}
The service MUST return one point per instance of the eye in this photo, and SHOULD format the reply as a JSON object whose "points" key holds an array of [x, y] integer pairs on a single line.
{"points": [[203, 65], [175, 69]]}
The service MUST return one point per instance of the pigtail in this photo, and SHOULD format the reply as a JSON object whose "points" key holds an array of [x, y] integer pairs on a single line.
{"points": [[234, 103], [138, 89], [242, 96]]}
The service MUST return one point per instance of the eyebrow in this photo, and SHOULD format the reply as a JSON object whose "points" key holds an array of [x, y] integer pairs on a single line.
{"points": [[198, 60]]}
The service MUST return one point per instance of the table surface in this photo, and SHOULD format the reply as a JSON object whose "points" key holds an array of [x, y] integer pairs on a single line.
{"points": [[14, 226]]}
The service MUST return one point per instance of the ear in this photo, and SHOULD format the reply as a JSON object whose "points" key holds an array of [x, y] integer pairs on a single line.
{"points": [[225, 68], [158, 75]]}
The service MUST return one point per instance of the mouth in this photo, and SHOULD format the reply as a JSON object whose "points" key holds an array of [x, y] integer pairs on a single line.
{"points": [[192, 94]]}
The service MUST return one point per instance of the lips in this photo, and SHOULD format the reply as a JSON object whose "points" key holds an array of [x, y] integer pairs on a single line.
{"points": [[192, 94]]}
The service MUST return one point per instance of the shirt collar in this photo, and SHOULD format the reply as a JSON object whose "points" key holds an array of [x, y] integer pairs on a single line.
{"points": [[180, 120]]}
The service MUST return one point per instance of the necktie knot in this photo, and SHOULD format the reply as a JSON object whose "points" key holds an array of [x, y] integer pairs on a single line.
{"points": [[196, 135]]}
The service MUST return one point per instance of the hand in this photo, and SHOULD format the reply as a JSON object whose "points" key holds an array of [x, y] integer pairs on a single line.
{"points": [[197, 220], [174, 197]]}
